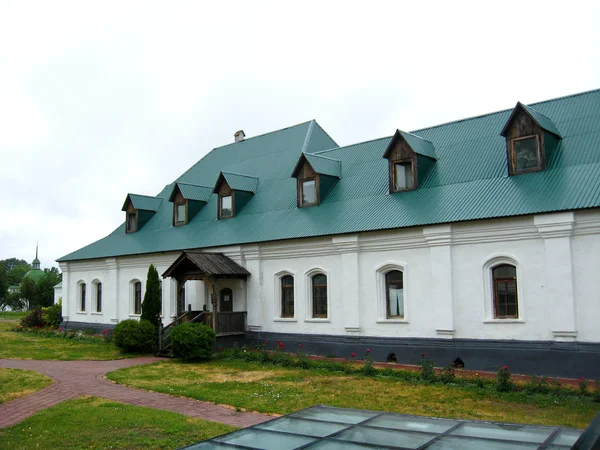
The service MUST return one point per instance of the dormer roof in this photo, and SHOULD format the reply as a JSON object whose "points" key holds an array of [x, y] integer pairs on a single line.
{"points": [[418, 145], [237, 182], [322, 165], [143, 202], [543, 121], [191, 192]]}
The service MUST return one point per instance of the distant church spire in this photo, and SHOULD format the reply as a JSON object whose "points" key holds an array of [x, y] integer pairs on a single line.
{"points": [[36, 262]]}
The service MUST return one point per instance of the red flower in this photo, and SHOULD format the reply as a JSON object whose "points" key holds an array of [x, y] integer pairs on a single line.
{"points": [[299, 345], [368, 350], [353, 354], [582, 379], [266, 342], [422, 355], [505, 367], [220, 349]]}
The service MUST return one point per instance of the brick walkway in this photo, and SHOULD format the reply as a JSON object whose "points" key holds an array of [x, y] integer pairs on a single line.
{"points": [[74, 379]]}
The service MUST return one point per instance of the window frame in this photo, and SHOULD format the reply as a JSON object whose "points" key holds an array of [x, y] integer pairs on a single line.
{"points": [[127, 220], [513, 155], [220, 205], [308, 295], [96, 299], [283, 289], [81, 296], [487, 285], [133, 297], [301, 182], [495, 295], [313, 300], [176, 205], [278, 296], [388, 316], [380, 279], [405, 161]]}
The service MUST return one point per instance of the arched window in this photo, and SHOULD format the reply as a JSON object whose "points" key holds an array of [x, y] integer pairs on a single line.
{"points": [[287, 296], [82, 297], [96, 296], [226, 300], [394, 294], [506, 303], [319, 296], [137, 297]]}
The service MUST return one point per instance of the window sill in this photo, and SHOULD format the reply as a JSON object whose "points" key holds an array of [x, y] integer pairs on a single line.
{"points": [[504, 321], [97, 313], [317, 320], [285, 319], [392, 321], [135, 315], [80, 312]]}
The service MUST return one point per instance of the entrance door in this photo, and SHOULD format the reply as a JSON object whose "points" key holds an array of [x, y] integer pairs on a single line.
{"points": [[180, 298], [226, 300]]}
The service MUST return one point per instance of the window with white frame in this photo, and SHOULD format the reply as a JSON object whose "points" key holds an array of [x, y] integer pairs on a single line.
{"points": [[503, 301], [96, 296], [319, 296], [81, 296], [391, 292], [136, 296]]}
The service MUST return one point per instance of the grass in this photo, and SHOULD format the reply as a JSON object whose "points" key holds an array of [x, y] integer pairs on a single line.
{"points": [[15, 383], [95, 423], [29, 346], [274, 389], [13, 315]]}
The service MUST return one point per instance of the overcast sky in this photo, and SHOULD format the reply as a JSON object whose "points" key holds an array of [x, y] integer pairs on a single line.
{"points": [[98, 99]]}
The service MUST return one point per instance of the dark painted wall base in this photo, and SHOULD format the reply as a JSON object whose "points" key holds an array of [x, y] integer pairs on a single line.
{"points": [[547, 358], [95, 328]]}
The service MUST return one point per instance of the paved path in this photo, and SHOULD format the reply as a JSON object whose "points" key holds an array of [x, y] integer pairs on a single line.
{"points": [[74, 379]]}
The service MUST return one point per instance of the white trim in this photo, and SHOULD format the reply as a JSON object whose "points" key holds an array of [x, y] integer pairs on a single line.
{"points": [[277, 289], [488, 287], [308, 275], [380, 272]]}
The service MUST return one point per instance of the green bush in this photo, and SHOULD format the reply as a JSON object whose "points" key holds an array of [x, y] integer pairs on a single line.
{"points": [[152, 301], [503, 383], [136, 337], [35, 319], [192, 341], [427, 368], [53, 315]]}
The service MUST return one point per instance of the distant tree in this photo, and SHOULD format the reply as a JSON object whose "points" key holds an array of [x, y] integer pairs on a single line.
{"points": [[29, 292], [3, 287], [152, 301], [13, 301], [45, 288], [11, 263], [16, 274]]}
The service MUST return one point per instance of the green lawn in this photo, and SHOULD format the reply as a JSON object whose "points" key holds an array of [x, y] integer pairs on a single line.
{"points": [[273, 389], [15, 345], [15, 383], [13, 315], [94, 423]]}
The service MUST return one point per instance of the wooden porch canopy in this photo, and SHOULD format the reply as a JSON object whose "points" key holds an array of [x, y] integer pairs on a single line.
{"points": [[197, 265]]}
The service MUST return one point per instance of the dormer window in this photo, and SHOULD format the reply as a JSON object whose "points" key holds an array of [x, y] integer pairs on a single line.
{"points": [[139, 209], [308, 192], [410, 158], [403, 178], [226, 210], [131, 222], [531, 137], [235, 191], [316, 177], [180, 213]]}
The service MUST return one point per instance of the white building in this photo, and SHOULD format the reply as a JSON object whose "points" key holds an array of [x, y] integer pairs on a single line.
{"points": [[478, 239]]}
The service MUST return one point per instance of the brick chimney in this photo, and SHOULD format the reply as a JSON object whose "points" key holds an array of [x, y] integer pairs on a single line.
{"points": [[239, 136]]}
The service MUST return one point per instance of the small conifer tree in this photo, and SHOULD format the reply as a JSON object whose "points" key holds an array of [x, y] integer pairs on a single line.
{"points": [[152, 301]]}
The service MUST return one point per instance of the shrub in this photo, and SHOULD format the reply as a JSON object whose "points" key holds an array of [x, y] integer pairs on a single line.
{"points": [[583, 386], [537, 385], [152, 302], [192, 341], [136, 337], [503, 383], [368, 369], [426, 368], [448, 375], [53, 314], [35, 319]]}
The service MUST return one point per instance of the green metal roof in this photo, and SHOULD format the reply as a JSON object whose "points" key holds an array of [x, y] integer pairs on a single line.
{"points": [[468, 181], [144, 202], [34, 274], [192, 192], [239, 182], [419, 145], [321, 164], [543, 121]]}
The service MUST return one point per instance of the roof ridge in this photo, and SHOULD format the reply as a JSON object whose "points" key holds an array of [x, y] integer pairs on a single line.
{"points": [[240, 174], [324, 157], [264, 134], [350, 145], [418, 137], [308, 135], [192, 184], [324, 131], [503, 111], [148, 196]]}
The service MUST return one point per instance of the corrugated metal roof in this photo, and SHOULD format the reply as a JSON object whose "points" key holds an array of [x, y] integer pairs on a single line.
{"points": [[468, 181], [419, 145], [193, 192], [144, 202], [543, 121], [239, 182], [324, 165]]}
